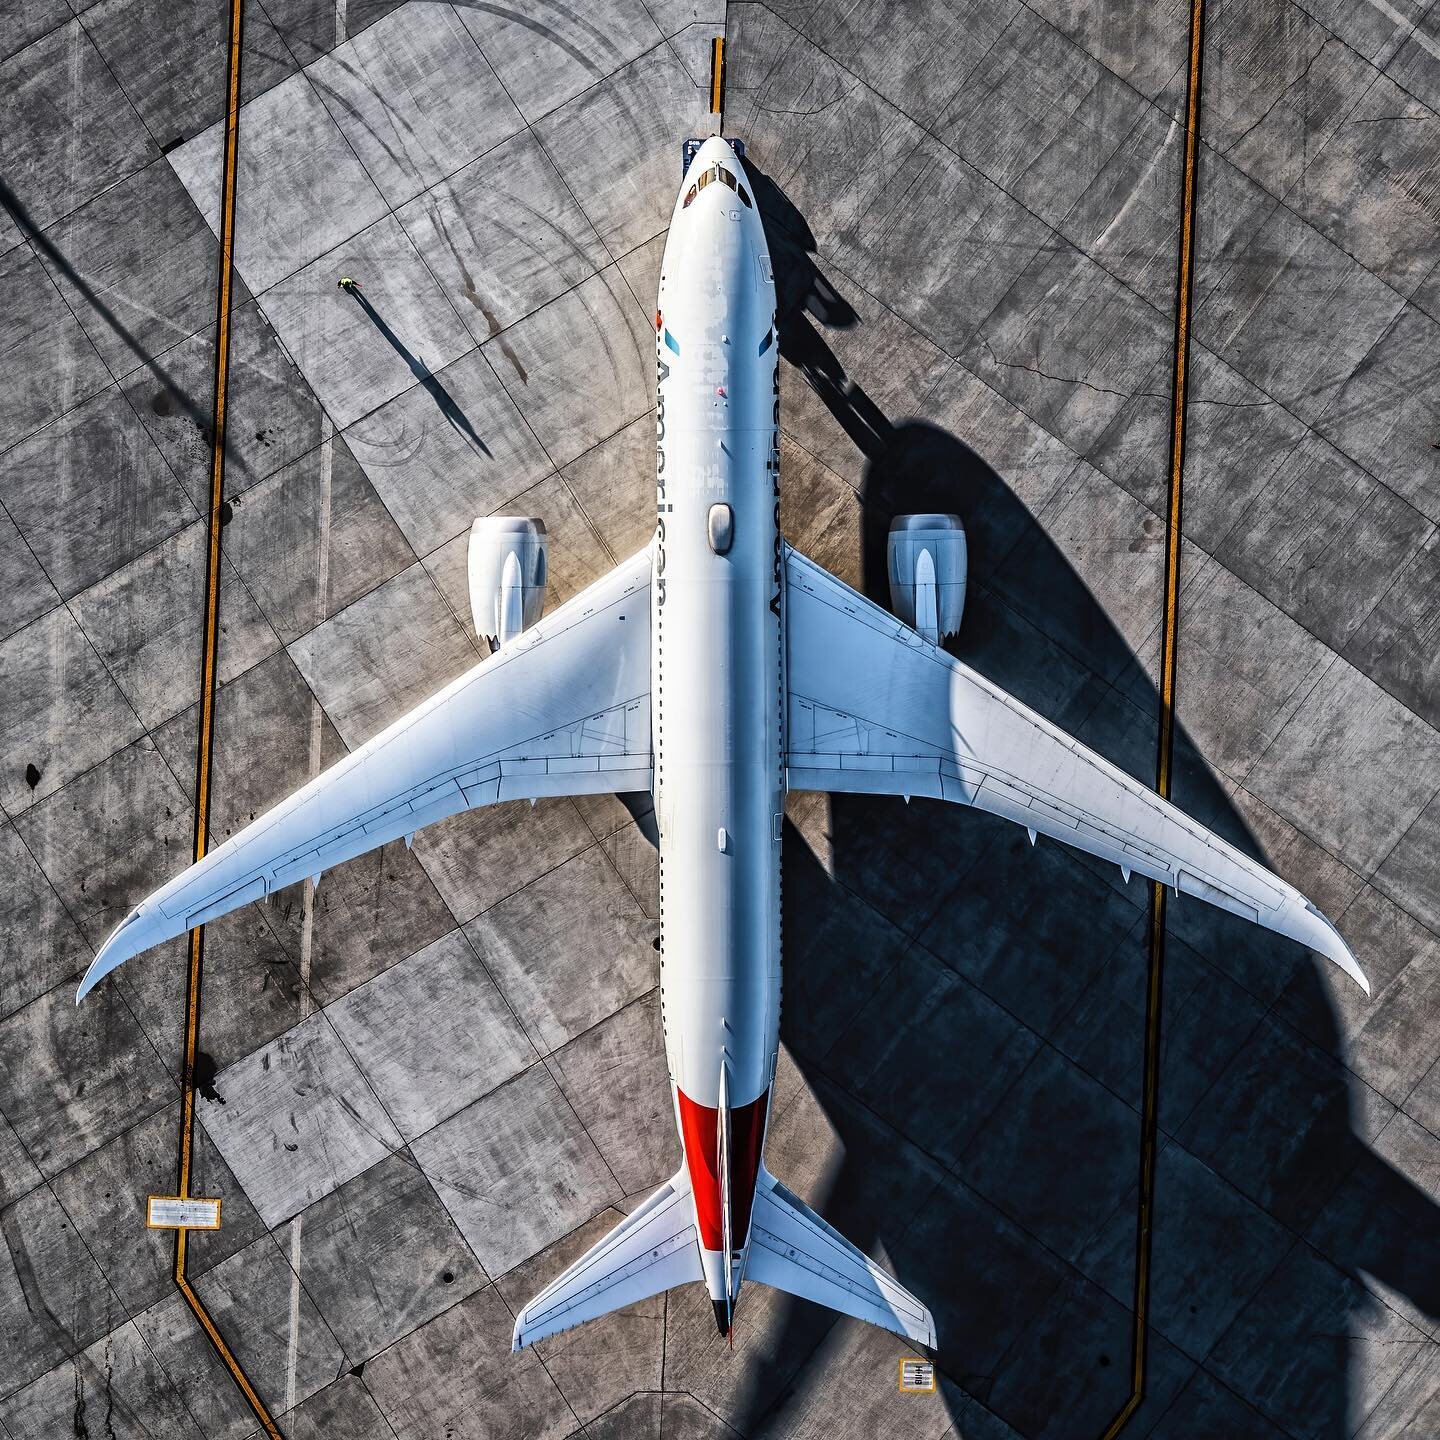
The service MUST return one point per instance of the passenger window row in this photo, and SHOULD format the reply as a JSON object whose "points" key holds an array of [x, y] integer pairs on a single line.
{"points": [[720, 173]]}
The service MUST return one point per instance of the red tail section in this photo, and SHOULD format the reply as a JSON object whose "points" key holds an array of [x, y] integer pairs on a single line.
{"points": [[699, 1126]]}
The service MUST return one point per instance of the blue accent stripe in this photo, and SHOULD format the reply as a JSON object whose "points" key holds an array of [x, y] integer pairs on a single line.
{"points": [[765, 343], [671, 342]]}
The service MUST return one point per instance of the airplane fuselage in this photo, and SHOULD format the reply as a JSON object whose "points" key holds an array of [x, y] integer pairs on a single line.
{"points": [[718, 693]]}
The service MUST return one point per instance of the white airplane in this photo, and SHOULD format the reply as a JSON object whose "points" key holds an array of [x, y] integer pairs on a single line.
{"points": [[719, 669]]}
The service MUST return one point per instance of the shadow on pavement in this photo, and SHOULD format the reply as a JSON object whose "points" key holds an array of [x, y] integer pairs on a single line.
{"points": [[428, 382], [950, 988]]}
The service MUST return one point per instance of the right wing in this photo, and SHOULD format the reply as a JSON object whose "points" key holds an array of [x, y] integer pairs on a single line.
{"points": [[901, 717], [563, 709], [794, 1250]]}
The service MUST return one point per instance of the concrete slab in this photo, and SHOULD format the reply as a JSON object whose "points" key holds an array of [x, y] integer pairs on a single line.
{"points": [[1366, 188], [1053, 1382], [18, 1175], [1206, 1407], [171, 64], [401, 637], [1287, 550], [344, 1407], [1376, 1038], [1212, 1250], [1289, 310], [61, 84], [568, 949], [1413, 1401], [249, 1298], [26, 588], [305, 190], [1374, 759], [516, 1170], [318, 516], [1206, 1020], [1064, 1191], [437, 472], [1378, 1222], [1069, 345], [104, 1195], [505, 234], [146, 623], [1275, 1364], [1383, 416], [380, 1257], [594, 1366], [456, 1376], [432, 1034], [20, 27], [1413, 64], [91, 493], [298, 1120], [310, 28], [53, 1298], [76, 1077], [921, 1010], [41, 945], [551, 54], [106, 839], [416, 99], [272, 417], [582, 367], [143, 250], [1049, 155], [616, 1080], [1279, 1121], [54, 366], [359, 349], [636, 119], [476, 860], [367, 915], [116, 1382]]}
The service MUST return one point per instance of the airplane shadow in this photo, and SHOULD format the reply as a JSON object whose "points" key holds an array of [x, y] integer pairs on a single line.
{"points": [[929, 949]]}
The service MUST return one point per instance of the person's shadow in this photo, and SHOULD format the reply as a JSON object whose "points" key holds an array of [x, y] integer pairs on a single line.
{"points": [[968, 1014]]}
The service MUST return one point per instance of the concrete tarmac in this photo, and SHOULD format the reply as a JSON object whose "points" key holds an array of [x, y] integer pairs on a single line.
{"points": [[429, 1085]]}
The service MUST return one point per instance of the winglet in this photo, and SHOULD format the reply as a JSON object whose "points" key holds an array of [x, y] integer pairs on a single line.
{"points": [[1313, 929], [119, 946]]}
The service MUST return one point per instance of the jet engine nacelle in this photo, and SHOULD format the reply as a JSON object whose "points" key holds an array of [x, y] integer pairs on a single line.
{"points": [[509, 557], [927, 559]]}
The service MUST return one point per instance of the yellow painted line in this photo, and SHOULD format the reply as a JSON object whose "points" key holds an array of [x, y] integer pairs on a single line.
{"points": [[1165, 749], [717, 75], [205, 750]]}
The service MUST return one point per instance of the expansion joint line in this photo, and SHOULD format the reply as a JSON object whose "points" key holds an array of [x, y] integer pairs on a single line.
{"points": [[205, 750], [1165, 747]]}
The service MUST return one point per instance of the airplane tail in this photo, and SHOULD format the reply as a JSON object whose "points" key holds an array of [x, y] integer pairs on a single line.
{"points": [[791, 1249], [794, 1250], [650, 1250]]}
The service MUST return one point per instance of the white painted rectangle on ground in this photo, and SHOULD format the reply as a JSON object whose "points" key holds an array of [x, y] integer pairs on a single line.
{"points": [[178, 1212]]}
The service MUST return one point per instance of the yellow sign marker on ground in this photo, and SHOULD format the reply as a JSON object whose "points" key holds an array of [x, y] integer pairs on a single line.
{"points": [[917, 1377], [182, 1212]]}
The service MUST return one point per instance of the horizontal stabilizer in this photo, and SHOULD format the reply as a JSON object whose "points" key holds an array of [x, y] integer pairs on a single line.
{"points": [[794, 1250], [647, 1252]]}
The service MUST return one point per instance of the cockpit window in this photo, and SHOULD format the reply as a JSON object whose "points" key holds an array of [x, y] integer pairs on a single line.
{"points": [[715, 173]]}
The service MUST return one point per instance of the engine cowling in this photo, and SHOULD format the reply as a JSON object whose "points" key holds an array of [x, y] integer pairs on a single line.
{"points": [[927, 560], [509, 561]]}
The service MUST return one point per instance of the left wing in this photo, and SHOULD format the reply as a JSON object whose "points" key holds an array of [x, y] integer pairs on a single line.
{"points": [[563, 709], [901, 717]]}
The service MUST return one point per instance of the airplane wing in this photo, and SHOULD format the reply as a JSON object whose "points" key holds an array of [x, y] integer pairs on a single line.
{"points": [[563, 709], [901, 717]]}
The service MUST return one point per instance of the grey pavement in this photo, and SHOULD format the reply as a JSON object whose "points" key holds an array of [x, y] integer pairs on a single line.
{"points": [[432, 1082]]}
